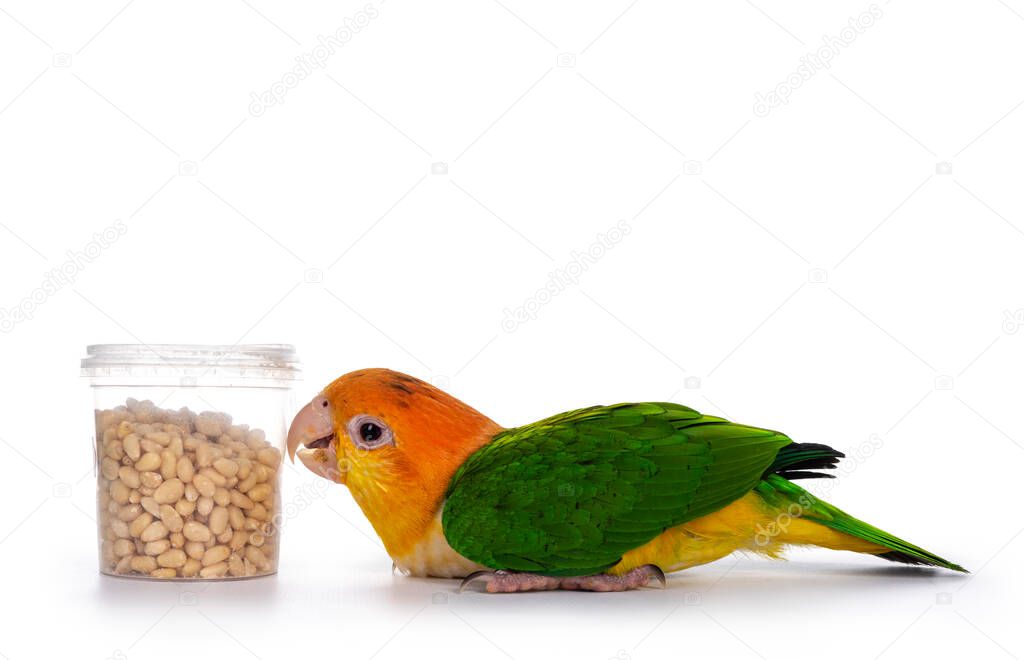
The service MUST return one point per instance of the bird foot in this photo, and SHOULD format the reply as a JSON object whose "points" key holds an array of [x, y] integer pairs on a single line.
{"points": [[512, 582]]}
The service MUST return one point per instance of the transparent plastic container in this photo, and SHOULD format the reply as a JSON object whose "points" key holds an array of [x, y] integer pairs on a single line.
{"points": [[188, 444]]}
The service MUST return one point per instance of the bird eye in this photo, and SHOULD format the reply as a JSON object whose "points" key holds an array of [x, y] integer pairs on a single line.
{"points": [[369, 432]]}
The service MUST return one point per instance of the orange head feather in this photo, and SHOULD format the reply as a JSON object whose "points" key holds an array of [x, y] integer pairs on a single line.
{"points": [[397, 440]]}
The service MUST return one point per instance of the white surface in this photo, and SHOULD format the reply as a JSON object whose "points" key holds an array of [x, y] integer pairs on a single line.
{"points": [[716, 280]]}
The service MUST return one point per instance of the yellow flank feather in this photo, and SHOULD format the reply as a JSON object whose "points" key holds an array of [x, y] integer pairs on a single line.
{"points": [[750, 524]]}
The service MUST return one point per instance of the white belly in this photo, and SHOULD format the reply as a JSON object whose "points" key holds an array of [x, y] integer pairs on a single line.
{"points": [[433, 557]]}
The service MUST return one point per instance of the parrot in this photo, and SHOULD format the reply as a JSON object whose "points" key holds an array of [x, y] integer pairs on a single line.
{"points": [[603, 498]]}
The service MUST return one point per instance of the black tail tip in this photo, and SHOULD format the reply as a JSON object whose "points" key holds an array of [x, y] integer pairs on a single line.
{"points": [[800, 460], [904, 558]]}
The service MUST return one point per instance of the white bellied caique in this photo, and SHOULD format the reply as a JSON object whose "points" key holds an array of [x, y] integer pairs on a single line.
{"points": [[605, 498]]}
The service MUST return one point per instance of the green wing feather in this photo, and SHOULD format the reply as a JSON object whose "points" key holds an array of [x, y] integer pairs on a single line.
{"points": [[570, 494]]}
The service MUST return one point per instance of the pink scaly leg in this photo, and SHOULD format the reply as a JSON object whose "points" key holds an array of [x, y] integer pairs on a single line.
{"points": [[513, 582]]}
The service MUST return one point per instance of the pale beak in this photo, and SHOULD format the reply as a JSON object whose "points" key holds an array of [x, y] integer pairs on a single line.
{"points": [[313, 431]]}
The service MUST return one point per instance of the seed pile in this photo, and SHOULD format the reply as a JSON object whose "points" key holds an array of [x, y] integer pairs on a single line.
{"points": [[184, 495]]}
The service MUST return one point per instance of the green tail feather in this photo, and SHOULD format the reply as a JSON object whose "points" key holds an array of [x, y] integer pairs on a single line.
{"points": [[777, 490]]}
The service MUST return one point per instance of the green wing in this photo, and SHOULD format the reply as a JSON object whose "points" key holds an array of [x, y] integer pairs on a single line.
{"points": [[569, 495]]}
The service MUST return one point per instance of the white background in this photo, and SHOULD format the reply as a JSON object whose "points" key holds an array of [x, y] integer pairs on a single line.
{"points": [[846, 268]]}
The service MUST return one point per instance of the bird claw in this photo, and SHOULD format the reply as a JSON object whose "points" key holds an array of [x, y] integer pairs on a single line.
{"points": [[484, 575], [656, 573]]}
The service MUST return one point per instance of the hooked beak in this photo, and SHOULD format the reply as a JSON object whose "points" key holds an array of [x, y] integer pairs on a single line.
{"points": [[313, 431]]}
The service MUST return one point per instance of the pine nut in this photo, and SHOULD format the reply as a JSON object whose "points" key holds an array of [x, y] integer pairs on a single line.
{"points": [[185, 469], [214, 571], [208, 426], [204, 485], [154, 548], [150, 446], [217, 478], [129, 513], [221, 497], [139, 524], [269, 456], [123, 547], [125, 564], [241, 500], [119, 528], [149, 461], [160, 437], [109, 468], [204, 505], [184, 507], [129, 476], [131, 446], [226, 467], [236, 517], [169, 491], [151, 480], [173, 558], [119, 492], [235, 566], [151, 505], [259, 492], [204, 455], [176, 447], [115, 450], [263, 473], [218, 520], [154, 532], [245, 485], [238, 539], [171, 518], [143, 564], [256, 556], [168, 464], [196, 531], [216, 554]]}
